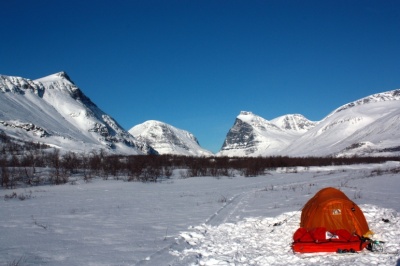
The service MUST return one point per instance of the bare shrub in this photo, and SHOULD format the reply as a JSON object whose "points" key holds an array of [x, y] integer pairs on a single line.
{"points": [[168, 170], [16, 262], [395, 170], [357, 195], [39, 224], [23, 196], [344, 183], [5, 177], [10, 196], [223, 199], [20, 196]]}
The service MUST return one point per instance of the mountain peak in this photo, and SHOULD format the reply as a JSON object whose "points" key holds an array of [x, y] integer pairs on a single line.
{"points": [[245, 113], [294, 122], [62, 75]]}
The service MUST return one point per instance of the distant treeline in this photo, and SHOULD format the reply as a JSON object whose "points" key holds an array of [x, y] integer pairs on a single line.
{"points": [[34, 164]]}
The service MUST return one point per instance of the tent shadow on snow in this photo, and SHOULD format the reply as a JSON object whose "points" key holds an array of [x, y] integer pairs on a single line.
{"points": [[331, 222]]}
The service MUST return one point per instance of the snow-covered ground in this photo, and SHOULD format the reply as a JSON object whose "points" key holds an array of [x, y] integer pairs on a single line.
{"points": [[193, 221]]}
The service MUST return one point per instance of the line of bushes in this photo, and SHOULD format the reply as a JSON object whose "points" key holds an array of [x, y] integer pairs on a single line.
{"points": [[33, 164], [23, 168]]}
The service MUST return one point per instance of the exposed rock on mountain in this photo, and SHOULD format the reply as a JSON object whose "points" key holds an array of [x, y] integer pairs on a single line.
{"points": [[252, 135], [295, 123]]}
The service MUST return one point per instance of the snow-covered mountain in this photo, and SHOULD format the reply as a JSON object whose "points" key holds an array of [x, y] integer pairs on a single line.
{"points": [[293, 123], [367, 127], [166, 139], [252, 135], [54, 111]]}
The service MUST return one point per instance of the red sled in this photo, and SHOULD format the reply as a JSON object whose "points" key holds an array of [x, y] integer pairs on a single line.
{"points": [[321, 240]]}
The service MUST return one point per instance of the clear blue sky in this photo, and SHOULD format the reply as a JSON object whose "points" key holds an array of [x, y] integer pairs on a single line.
{"points": [[197, 64]]}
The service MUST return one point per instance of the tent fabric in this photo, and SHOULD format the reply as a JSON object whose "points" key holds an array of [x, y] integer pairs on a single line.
{"points": [[330, 221], [332, 209]]}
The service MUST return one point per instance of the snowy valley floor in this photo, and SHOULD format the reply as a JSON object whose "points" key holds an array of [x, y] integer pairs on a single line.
{"points": [[193, 221]]}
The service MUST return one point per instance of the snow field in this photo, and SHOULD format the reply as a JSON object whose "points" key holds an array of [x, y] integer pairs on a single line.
{"points": [[192, 221]]}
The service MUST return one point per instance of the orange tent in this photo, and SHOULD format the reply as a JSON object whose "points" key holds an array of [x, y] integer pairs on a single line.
{"points": [[331, 222], [332, 209]]}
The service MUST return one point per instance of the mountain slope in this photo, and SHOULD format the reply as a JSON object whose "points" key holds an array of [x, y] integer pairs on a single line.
{"points": [[366, 127], [166, 139], [53, 110], [252, 135], [369, 126]]}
